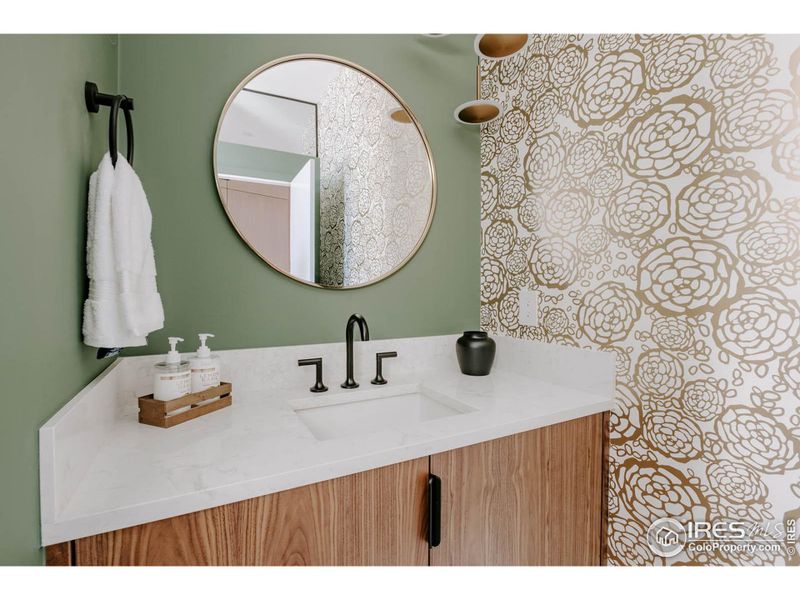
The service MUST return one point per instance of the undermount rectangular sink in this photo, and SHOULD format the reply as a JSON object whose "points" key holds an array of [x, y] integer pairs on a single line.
{"points": [[367, 411]]}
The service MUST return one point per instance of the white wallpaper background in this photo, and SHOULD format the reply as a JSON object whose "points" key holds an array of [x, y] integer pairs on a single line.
{"points": [[375, 185], [648, 189]]}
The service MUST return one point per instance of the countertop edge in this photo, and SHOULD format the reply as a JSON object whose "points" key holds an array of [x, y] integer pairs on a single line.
{"points": [[61, 531]]}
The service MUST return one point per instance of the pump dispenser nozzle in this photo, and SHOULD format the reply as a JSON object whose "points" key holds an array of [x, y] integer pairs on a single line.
{"points": [[204, 351], [173, 356]]}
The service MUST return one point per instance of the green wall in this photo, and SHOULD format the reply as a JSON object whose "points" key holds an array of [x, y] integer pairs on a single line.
{"points": [[264, 163], [49, 144], [209, 279]]}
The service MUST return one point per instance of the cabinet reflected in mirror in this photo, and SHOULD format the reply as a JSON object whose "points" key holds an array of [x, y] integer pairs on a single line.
{"points": [[324, 171]]}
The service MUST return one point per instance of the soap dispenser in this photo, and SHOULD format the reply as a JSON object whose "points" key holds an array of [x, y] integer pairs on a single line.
{"points": [[204, 366], [173, 378]]}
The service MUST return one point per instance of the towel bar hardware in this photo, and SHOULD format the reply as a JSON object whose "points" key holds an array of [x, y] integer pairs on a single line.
{"points": [[95, 99]]}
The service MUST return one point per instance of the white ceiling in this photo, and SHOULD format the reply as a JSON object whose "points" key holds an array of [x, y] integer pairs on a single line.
{"points": [[255, 119], [304, 80], [268, 122]]}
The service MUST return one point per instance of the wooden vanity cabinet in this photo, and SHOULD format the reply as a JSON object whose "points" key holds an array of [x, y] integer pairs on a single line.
{"points": [[535, 498], [376, 517]]}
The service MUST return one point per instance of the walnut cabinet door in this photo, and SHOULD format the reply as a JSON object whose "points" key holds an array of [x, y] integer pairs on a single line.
{"points": [[535, 498]]}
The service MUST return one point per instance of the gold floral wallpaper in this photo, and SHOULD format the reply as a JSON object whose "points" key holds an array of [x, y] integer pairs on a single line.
{"points": [[647, 188]]}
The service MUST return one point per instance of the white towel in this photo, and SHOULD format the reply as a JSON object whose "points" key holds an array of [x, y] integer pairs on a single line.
{"points": [[123, 304]]}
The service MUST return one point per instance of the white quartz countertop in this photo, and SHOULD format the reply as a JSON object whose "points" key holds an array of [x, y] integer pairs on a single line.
{"points": [[259, 445]]}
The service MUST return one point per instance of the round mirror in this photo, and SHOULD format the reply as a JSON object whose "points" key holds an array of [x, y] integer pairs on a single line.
{"points": [[324, 171]]}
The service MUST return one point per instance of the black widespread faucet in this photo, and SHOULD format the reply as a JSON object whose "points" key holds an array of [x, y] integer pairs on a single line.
{"points": [[348, 336]]}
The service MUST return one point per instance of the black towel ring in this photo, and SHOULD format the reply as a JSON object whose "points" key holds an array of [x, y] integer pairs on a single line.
{"points": [[112, 128], [95, 99]]}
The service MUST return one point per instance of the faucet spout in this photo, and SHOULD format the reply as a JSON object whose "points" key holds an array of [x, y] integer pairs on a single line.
{"points": [[363, 329]]}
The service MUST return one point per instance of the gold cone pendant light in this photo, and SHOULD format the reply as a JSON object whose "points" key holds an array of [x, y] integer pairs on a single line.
{"points": [[478, 112], [491, 46], [400, 115], [495, 46]]}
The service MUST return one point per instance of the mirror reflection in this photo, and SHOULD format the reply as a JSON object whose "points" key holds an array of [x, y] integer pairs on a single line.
{"points": [[324, 172]]}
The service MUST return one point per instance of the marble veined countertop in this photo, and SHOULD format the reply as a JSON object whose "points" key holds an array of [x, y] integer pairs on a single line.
{"points": [[118, 473]]}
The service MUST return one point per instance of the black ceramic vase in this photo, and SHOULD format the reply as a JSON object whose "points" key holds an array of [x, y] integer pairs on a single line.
{"points": [[475, 352]]}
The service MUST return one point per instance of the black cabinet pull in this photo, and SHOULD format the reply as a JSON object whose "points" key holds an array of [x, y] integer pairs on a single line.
{"points": [[434, 511]]}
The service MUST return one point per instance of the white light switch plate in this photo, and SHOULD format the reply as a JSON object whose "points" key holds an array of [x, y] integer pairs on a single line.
{"points": [[528, 307]]}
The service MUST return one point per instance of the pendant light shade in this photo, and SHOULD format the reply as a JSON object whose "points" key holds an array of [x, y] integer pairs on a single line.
{"points": [[400, 115], [477, 112], [494, 46]]}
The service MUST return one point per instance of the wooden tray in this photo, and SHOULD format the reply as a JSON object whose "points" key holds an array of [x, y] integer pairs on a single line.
{"points": [[161, 413]]}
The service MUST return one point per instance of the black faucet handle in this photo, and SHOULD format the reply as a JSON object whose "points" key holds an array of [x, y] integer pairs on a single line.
{"points": [[379, 379], [316, 362]]}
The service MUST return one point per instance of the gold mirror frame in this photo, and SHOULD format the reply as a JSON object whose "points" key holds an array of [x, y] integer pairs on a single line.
{"points": [[413, 121]]}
